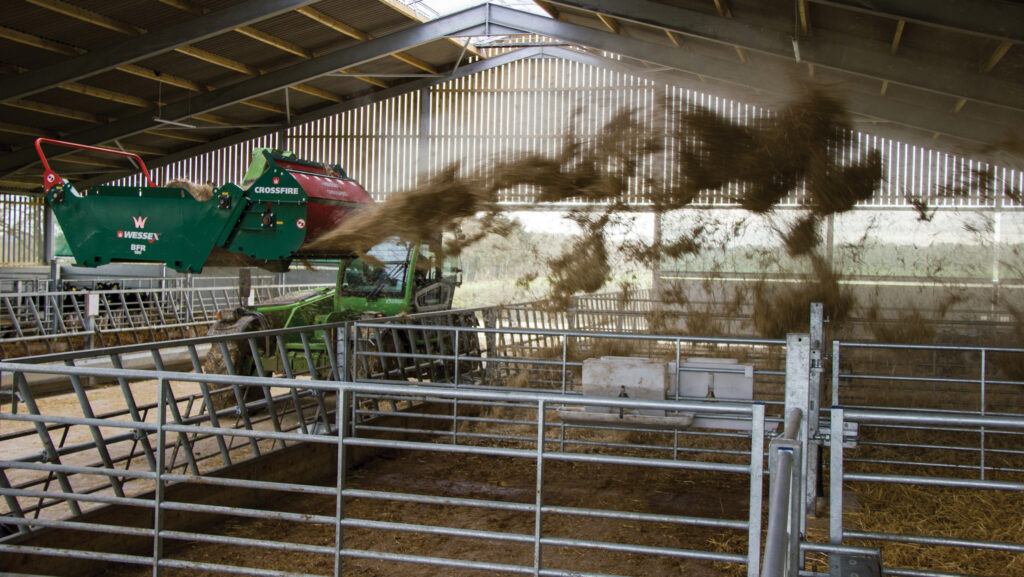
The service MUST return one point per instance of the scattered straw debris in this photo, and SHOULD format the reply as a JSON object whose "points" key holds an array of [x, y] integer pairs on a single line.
{"points": [[200, 192]]}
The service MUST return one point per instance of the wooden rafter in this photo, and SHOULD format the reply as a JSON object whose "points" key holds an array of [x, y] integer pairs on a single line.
{"points": [[314, 91], [187, 6], [43, 43], [271, 40], [204, 55], [339, 26], [218, 60], [178, 135], [549, 8], [60, 111], [88, 16], [997, 55], [25, 130], [897, 36], [215, 119], [805, 17], [611, 23], [86, 161], [92, 91], [410, 13], [170, 79], [723, 9], [109, 95], [15, 182]]}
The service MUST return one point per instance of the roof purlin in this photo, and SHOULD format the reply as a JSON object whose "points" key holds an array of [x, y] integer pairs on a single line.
{"points": [[144, 46], [453, 24]]}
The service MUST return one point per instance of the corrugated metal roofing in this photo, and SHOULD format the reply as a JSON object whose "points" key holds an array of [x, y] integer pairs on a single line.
{"points": [[198, 81]]}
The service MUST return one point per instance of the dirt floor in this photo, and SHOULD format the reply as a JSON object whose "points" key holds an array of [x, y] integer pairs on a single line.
{"points": [[499, 479]]}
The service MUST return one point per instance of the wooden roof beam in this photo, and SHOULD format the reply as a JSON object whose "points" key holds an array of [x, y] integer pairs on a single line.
{"points": [[177, 135], [612, 24], [141, 44], [95, 92], [132, 69], [997, 55], [723, 9], [187, 6], [218, 60], [549, 8], [805, 17], [897, 37], [42, 43], [89, 16], [271, 40], [410, 13], [60, 111], [26, 130], [339, 26]]}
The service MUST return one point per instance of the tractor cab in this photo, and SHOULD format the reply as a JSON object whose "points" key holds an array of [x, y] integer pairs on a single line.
{"points": [[396, 277]]}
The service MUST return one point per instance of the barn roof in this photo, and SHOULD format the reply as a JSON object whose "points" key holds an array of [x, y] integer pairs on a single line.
{"points": [[169, 79]]}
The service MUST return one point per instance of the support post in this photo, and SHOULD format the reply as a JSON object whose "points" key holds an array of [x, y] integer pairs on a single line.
{"points": [[798, 396], [812, 450], [835, 523]]}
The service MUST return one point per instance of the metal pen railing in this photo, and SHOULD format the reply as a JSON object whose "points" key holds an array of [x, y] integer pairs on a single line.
{"points": [[846, 472], [35, 323], [168, 432], [962, 380]]}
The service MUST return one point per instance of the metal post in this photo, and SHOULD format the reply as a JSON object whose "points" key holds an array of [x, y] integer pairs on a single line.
{"points": [[981, 430], [756, 480], [775, 557], [341, 418], [798, 396], [539, 503], [835, 373], [92, 310], [812, 451], [835, 520], [158, 493], [345, 337]]}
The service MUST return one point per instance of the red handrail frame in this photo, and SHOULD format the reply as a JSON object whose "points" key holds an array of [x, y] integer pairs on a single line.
{"points": [[50, 177]]}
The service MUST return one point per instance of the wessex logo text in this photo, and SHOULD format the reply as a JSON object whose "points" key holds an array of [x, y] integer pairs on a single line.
{"points": [[138, 235]]}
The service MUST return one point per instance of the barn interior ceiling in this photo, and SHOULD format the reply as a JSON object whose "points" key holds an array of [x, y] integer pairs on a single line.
{"points": [[169, 79]]}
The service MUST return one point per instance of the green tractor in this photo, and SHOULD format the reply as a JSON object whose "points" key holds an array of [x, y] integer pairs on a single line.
{"points": [[394, 278]]}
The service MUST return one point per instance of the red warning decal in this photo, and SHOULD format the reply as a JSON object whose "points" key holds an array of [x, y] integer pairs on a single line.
{"points": [[300, 223]]}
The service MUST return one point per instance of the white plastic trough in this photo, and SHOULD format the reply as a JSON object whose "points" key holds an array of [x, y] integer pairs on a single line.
{"points": [[650, 380]]}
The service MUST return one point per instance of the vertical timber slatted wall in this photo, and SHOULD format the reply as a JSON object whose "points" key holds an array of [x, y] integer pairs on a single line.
{"points": [[529, 106], [22, 229]]}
